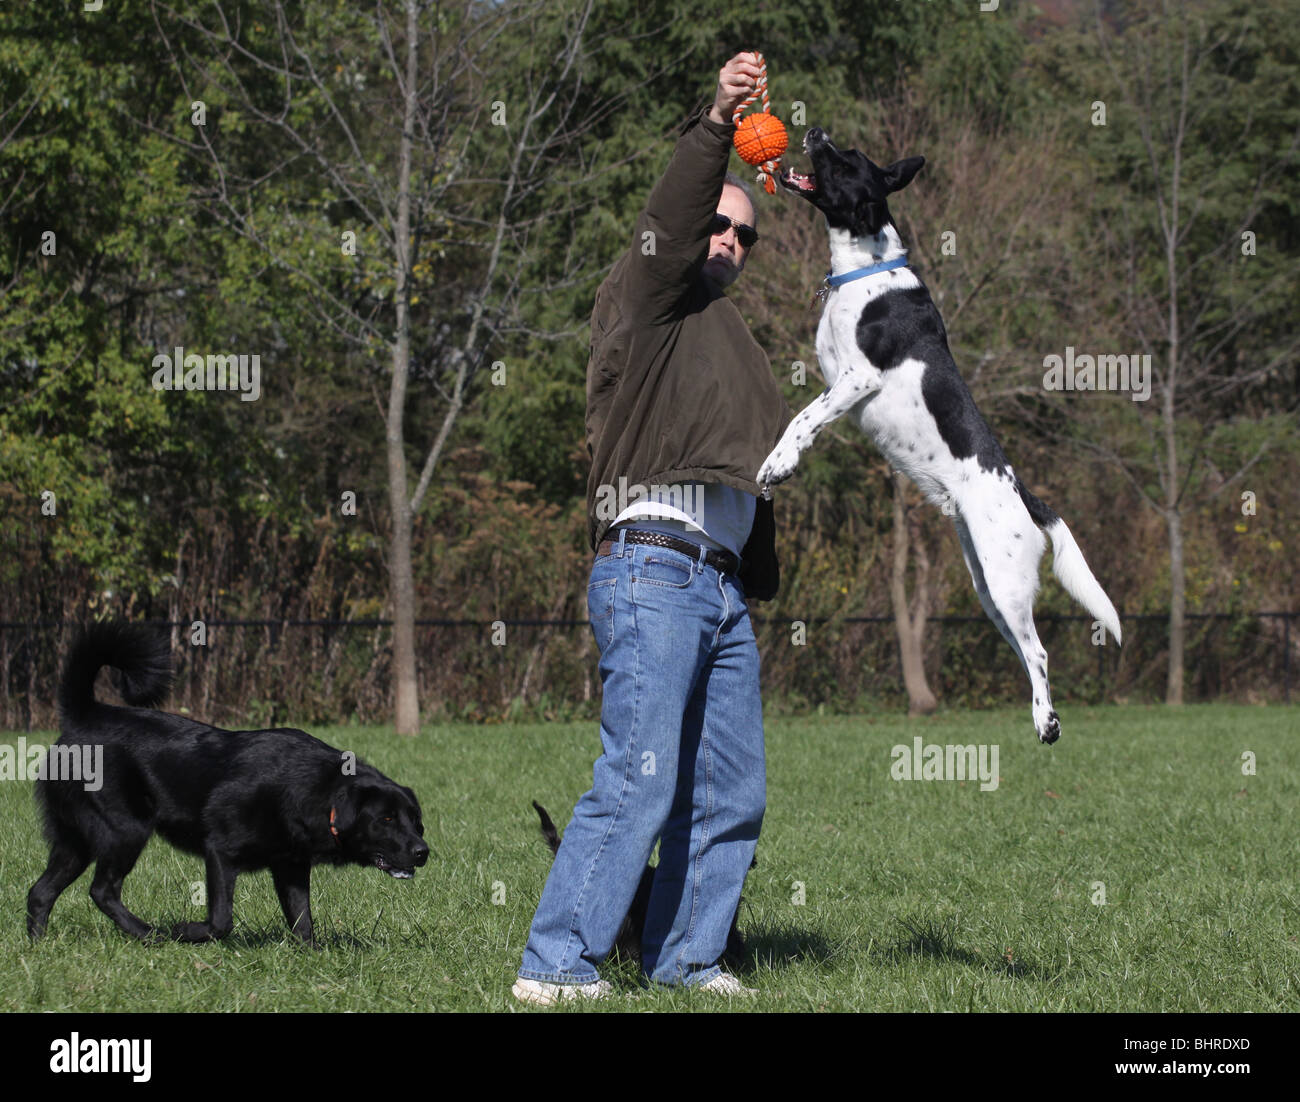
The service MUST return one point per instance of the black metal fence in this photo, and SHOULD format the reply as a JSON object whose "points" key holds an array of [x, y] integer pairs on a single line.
{"points": [[262, 672]]}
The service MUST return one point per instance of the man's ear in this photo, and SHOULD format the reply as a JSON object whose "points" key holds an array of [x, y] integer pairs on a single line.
{"points": [[900, 173]]}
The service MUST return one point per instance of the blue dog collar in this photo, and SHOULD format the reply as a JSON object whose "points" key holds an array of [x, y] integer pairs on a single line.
{"points": [[860, 273]]}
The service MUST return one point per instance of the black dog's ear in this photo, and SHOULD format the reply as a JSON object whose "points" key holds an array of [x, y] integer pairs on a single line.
{"points": [[343, 807], [900, 173]]}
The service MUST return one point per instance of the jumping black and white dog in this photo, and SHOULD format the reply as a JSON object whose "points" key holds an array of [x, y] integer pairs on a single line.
{"points": [[884, 353]]}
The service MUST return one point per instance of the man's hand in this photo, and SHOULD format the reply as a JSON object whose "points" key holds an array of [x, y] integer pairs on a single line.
{"points": [[736, 79]]}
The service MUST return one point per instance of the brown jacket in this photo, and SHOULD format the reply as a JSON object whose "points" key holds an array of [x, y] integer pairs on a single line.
{"points": [[677, 389]]}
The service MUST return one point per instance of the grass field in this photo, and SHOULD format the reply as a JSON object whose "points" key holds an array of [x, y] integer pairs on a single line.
{"points": [[918, 896]]}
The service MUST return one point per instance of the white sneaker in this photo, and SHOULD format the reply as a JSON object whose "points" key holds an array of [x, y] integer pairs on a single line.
{"points": [[726, 984], [548, 994]]}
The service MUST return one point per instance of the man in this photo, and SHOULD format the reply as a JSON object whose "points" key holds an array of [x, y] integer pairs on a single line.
{"points": [[681, 399]]}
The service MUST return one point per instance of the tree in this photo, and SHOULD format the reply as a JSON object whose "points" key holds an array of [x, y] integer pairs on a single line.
{"points": [[87, 209], [1200, 137], [309, 163]]}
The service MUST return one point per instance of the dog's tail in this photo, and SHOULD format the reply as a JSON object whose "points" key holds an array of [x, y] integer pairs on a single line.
{"points": [[1069, 563], [548, 829], [140, 656]]}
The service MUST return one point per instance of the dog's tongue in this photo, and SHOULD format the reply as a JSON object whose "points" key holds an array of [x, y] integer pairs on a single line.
{"points": [[798, 180]]}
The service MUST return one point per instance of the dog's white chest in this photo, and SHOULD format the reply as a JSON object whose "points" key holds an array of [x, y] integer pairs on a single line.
{"points": [[837, 332], [892, 412]]}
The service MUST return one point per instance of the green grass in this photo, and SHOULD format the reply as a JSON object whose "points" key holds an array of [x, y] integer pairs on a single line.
{"points": [[919, 896]]}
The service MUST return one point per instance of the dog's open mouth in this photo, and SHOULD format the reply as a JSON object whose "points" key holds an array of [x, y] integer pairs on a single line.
{"points": [[796, 181], [395, 871]]}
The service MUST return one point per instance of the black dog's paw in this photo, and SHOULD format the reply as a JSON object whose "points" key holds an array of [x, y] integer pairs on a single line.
{"points": [[191, 932]]}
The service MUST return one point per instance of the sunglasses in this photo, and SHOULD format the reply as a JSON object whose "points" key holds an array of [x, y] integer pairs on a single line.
{"points": [[746, 235]]}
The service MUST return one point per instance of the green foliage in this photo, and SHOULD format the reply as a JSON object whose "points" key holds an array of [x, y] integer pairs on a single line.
{"points": [[180, 504]]}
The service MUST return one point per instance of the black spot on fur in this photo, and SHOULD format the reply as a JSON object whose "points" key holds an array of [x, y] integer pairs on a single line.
{"points": [[1039, 511], [903, 325]]}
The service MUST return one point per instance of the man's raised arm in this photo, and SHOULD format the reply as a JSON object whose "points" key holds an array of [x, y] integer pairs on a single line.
{"points": [[672, 234]]}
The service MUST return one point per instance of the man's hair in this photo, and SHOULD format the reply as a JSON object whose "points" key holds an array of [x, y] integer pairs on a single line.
{"points": [[735, 181]]}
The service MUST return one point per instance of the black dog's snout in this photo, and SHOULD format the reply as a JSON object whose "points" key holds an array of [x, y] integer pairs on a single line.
{"points": [[421, 854], [815, 134]]}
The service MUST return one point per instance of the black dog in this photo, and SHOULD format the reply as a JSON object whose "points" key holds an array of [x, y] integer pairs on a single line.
{"points": [[243, 800], [628, 943]]}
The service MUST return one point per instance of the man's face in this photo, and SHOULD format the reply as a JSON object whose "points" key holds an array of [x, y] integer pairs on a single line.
{"points": [[726, 254]]}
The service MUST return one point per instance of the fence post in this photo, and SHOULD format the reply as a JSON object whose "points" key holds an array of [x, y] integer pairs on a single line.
{"points": [[1286, 657]]}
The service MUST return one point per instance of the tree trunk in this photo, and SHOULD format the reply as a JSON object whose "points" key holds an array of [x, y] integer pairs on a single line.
{"points": [[1173, 491], [1177, 608], [401, 575], [910, 623]]}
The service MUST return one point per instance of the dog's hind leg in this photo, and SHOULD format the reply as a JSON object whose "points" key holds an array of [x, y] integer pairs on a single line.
{"points": [[66, 863], [1006, 587], [293, 889], [221, 903], [106, 888], [977, 578]]}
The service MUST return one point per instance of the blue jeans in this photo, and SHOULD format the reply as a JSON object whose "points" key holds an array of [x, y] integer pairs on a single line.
{"points": [[681, 727]]}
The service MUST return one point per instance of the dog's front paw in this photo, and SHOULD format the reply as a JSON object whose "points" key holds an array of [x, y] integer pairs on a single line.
{"points": [[777, 467], [1050, 730]]}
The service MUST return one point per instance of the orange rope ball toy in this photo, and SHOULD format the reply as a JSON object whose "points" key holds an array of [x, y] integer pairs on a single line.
{"points": [[760, 139]]}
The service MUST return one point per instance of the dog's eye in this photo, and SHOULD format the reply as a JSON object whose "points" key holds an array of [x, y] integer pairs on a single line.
{"points": [[388, 818]]}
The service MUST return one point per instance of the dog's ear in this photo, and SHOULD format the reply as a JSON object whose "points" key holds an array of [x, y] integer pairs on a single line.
{"points": [[900, 173], [344, 804]]}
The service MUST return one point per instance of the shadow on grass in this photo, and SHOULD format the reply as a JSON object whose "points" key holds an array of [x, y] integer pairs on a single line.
{"points": [[244, 936], [273, 935], [773, 946], [937, 940]]}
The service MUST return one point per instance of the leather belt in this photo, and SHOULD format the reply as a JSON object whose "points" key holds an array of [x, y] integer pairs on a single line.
{"points": [[724, 562]]}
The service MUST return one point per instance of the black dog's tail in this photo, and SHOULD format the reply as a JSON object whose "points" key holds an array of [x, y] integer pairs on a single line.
{"points": [[548, 829], [140, 655]]}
